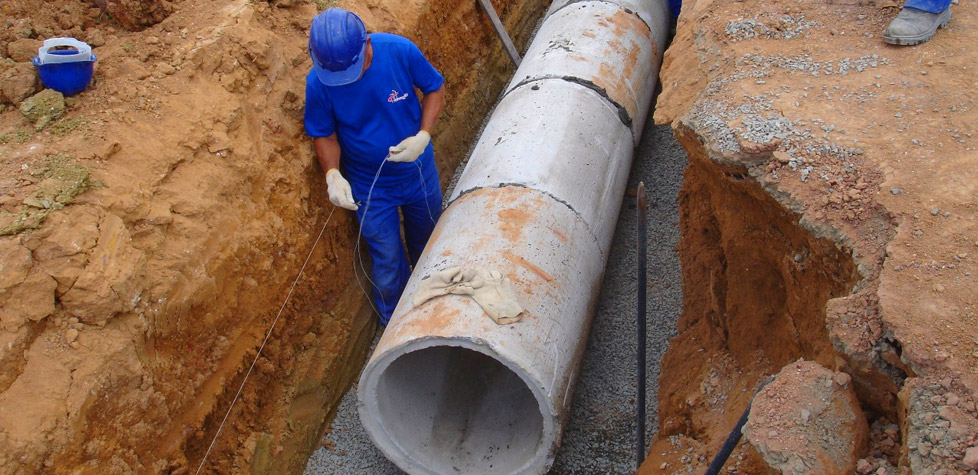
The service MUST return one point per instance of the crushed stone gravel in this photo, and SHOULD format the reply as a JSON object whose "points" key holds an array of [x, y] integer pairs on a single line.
{"points": [[599, 436]]}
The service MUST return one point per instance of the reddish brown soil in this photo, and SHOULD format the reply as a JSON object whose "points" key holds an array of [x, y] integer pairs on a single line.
{"points": [[828, 214], [829, 217], [131, 316]]}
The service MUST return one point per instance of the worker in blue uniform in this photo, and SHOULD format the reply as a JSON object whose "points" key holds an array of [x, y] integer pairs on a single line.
{"points": [[372, 136], [918, 21]]}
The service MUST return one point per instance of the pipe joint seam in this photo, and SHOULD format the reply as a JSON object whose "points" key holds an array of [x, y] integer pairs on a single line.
{"points": [[597, 242], [623, 114]]}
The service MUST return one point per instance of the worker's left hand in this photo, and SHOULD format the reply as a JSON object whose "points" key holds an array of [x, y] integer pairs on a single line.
{"points": [[410, 148]]}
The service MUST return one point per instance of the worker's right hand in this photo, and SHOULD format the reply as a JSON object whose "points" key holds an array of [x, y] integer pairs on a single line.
{"points": [[339, 190], [410, 148]]}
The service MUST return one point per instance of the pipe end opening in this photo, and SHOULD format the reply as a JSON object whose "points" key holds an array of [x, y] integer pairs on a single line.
{"points": [[451, 409]]}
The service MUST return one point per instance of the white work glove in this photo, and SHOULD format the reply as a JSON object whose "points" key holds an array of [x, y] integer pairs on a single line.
{"points": [[339, 190], [410, 148]]}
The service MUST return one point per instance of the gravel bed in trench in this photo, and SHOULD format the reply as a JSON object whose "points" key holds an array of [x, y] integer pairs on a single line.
{"points": [[599, 436]]}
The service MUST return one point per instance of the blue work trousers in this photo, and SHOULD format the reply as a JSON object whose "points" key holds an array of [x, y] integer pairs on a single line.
{"points": [[932, 6], [419, 200]]}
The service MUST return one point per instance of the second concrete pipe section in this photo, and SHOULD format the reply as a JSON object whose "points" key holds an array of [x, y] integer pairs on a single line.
{"points": [[448, 390]]}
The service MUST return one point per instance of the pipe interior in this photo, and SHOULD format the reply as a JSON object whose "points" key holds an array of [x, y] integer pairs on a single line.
{"points": [[455, 410]]}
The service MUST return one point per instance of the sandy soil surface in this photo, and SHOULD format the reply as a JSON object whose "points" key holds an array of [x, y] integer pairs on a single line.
{"points": [[828, 215], [133, 308], [152, 226]]}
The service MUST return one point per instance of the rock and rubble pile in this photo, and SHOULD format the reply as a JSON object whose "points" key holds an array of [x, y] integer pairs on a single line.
{"points": [[822, 158], [808, 420]]}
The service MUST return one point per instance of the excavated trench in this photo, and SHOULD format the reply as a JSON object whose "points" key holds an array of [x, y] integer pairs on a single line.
{"points": [[761, 287], [472, 92], [133, 318], [756, 285]]}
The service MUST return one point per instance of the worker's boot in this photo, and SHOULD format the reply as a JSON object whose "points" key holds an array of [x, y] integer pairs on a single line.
{"points": [[913, 26]]}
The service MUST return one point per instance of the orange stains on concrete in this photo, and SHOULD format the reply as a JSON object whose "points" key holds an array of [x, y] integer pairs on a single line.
{"points": [[625, 21], [560, 235], [522, 213], [435, 233], [512, 221], [435, 315], [480, 245], [624, 52], [521, 262], [538, 200], [507, 195], [609, 80]]}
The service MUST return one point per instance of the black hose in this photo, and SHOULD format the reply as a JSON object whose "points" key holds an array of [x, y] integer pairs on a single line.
{"points": [[734, 437], [640, 320], [730, 444]]}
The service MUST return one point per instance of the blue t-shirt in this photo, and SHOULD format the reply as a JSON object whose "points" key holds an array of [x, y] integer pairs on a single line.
{"points": [[377, 111]]}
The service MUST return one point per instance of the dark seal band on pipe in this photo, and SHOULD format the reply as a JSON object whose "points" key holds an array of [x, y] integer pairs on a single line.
{"points": [[602, 45], [622, 112]]}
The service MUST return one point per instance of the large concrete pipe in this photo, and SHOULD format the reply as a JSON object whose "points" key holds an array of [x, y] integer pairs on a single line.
{"points": [[448, 390]]}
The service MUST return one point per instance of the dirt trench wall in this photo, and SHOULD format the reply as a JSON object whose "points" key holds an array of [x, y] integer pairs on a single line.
{"points": [[131, 316], [754, 276], [822, 219], [755, 285]]}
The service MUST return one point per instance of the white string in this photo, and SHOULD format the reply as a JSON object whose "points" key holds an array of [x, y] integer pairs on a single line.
{"points": [[356, 248], [425, 187], [292, 288], [267, 336]]}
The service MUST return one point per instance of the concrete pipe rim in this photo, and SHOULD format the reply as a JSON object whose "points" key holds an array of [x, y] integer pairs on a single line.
{"points": [[370, 411]]}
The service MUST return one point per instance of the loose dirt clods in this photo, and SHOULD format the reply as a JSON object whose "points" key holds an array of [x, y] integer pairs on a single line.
{"points": [[872, 144], [935, 442], [147, 234], [141, 268], [55, 185], [808, 420], [43, 107]]}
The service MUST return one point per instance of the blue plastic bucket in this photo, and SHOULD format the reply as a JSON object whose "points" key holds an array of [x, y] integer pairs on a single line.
{"points": [[68, 71]]}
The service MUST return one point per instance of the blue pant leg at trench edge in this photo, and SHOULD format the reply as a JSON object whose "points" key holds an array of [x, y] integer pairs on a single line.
{"points": [[421, 210], [932, 6], [381, 229]]}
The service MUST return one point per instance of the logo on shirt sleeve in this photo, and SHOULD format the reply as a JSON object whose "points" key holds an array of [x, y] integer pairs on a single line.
{"points": [[394, 97]]}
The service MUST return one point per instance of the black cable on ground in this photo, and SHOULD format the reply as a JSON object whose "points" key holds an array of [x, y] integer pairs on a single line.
{"points": [[640, 321], [728, 445], [734, 437]]}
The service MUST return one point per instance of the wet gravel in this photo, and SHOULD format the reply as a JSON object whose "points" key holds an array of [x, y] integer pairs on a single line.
{"points": [[600, 434]]}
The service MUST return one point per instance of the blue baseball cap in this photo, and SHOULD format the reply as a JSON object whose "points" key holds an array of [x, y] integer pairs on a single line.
{"points": [[337, 45]]}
